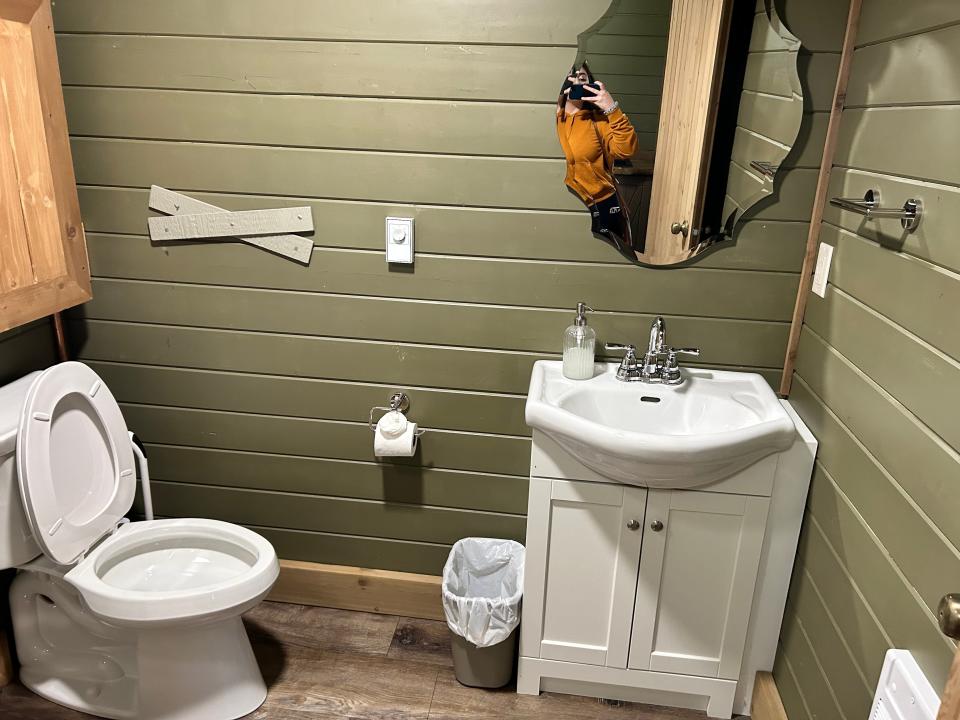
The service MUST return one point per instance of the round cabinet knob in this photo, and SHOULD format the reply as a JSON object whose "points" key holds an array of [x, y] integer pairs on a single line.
{"points": [[656, 526], [633, 525], [680, 228]]}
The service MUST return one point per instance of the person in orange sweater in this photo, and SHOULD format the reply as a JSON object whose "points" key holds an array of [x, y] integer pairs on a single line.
{"points": [[594, 132]]}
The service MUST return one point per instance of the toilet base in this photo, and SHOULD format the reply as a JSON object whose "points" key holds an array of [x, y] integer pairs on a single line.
{"points": [[201, 671]]}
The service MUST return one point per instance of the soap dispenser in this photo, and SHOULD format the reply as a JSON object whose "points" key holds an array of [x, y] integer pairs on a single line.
{"points": [[579, 341]]}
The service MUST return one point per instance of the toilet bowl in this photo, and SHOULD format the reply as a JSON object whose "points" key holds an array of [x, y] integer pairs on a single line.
{"points": [[112, 618]]}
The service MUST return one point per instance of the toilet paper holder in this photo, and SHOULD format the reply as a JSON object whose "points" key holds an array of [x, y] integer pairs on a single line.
{"points": [[399, 401]]}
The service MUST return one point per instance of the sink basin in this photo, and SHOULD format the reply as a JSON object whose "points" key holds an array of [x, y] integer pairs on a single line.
{"points": [[713, 425]]}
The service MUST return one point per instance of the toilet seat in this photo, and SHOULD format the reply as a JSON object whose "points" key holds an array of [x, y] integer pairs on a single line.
{"points": [[74, 461], [175, 571]]}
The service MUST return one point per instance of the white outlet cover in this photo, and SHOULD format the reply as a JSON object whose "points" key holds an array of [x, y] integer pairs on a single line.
{"points": [[822, 270], [399, 240]]}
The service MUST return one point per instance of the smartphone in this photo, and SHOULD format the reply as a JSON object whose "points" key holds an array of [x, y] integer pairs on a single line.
{"points": [[577, 92]]}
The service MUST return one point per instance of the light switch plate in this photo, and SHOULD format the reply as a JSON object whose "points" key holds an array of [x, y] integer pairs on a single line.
{"points": [[400, 240], [822, 270]]}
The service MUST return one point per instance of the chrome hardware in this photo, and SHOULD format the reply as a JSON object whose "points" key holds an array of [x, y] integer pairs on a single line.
{"points": [[399, 401], [652, 370], [869, 207], [948, 614], [633, 524], [628, 366], [658, 331], [680, 228], [656, 526], [767, 169], [670, 372]]}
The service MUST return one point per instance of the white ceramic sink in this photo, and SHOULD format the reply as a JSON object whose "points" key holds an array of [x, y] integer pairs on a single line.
{"points": [[711, 426]]}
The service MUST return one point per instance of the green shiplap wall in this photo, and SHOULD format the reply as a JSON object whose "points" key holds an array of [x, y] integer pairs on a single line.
{"points": [[626, 49], [878, 379], [25, 349], [250, 378]]}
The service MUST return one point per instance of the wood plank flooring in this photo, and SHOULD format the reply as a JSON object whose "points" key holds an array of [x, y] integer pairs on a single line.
{"points": [[321, 664]]}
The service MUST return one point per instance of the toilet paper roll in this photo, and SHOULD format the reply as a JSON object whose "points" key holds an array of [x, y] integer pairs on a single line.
{"points": [[389, 440]]}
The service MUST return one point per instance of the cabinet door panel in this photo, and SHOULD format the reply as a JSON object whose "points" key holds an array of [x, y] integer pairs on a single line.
{"points": [[696, 581], [589, 577], [43, 257], [698, 31]]}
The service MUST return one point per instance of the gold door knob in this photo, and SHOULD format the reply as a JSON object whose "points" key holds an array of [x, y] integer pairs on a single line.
{"points": [[948, 614], [680, 228]]}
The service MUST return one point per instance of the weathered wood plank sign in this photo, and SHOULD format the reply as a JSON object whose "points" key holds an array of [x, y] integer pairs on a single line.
{"points": [[192, 219], [231, 224]]}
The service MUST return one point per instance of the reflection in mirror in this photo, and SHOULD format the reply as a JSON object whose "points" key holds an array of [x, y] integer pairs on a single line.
{"points": [[609, 119], [771, 110], [607, 115]]}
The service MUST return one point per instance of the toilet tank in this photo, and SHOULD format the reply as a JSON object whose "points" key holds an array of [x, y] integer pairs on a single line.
{"points": [[16, 543]]}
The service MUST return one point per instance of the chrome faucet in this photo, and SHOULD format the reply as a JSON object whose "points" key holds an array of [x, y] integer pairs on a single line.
{"points": [[658, 331], [652, 370]]}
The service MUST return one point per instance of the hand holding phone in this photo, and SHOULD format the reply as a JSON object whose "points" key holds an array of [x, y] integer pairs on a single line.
{"points": [[579, 92], [598, 94]]}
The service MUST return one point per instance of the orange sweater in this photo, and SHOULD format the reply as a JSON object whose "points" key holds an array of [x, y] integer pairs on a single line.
{"points": [[586, 174]]}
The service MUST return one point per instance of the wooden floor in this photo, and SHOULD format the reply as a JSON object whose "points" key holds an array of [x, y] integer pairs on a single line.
{"points": [[322, 663]]}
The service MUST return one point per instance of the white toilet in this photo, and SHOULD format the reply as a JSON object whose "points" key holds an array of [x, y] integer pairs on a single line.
{"points": [[120, 620]]}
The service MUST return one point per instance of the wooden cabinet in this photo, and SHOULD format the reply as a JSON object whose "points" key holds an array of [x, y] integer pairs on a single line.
{"points": [[697, 574], [583, 546], [43, 256]]}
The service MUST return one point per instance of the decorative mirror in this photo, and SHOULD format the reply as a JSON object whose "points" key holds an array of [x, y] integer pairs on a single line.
{"points": [[674, 120], [771, 110]]}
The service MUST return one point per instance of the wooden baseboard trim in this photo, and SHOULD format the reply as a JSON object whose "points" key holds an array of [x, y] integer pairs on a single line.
{"points": [[352, 588], [766, 699]]}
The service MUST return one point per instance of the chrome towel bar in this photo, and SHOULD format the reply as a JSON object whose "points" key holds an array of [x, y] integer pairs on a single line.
{"points": [[869, 207], [767, 169]]}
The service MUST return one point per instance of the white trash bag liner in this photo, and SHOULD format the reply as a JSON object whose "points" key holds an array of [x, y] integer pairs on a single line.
{"points": [[482, 587]]}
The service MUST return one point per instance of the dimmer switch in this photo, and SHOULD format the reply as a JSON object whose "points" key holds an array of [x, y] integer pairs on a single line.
{"points": [[399, 240]]}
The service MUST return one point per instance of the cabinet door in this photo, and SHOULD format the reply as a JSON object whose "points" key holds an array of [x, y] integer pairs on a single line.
{"points": [[43, 256], [697, 575], [694, 65], [583, 549]]}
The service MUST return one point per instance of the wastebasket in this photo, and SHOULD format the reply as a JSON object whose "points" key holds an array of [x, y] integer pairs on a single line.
{"points": [[482, 588]]}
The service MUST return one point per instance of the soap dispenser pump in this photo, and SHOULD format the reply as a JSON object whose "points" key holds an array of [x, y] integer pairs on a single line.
{"points": [[579, 343]]}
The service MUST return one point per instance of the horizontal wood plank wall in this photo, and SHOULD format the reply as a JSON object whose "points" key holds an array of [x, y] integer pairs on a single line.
{"points": [[767, 126], [784, 215], [249, 377], [25, 349], [878, 377]]}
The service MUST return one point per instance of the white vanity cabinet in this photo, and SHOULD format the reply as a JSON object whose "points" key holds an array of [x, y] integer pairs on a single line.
{"points": [[658, 595]]}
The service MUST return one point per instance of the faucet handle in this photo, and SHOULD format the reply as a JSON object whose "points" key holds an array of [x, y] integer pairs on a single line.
{"points": [[670, 373], [628, 365]]}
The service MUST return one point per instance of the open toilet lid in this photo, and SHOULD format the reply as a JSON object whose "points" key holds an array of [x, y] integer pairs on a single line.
{"points": [[74, 461]]}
